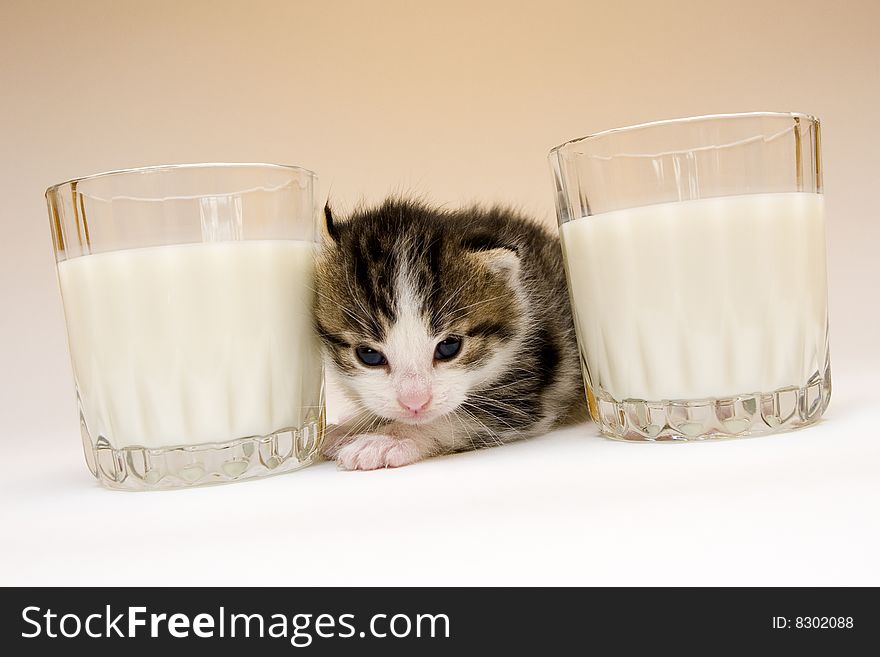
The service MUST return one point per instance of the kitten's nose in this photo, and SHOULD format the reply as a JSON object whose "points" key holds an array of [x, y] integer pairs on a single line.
{"points": [[415, 400]]}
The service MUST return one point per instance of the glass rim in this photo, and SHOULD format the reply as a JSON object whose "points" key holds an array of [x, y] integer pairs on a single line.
{"points": [[683, 119], [53, 189]]}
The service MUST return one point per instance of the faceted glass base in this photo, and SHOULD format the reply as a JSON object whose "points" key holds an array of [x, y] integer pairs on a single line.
{"points": [[146, 468], [728, 417]]}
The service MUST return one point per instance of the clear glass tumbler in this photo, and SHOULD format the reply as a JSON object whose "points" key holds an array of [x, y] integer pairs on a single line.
{"points": [[187, 296], [695, 255]]}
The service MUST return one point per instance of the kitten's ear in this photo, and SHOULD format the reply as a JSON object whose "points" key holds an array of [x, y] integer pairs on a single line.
{"points": [[502, 261], [493, 253], [331, 232]]}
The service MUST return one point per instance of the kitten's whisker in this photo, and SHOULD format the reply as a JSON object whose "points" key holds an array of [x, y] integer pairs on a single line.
{"points": [[495, 417], [353, 427], [463, 427], [451, 428], [489, 404], [491, 434]]}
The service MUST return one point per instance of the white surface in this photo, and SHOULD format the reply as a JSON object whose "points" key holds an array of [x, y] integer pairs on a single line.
{"points": [[223, 335], [748, 270], [569, 508], [588, 510]]}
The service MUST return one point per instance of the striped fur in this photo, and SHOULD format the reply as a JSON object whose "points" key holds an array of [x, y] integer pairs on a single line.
{"points": [[403, 276]]}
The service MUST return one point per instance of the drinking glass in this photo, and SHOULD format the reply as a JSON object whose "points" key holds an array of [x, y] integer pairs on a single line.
{"points": [[187, 294], [695, 257]]}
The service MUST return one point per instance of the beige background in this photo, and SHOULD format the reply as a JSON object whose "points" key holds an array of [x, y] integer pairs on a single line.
{"points": [[458, 101]]}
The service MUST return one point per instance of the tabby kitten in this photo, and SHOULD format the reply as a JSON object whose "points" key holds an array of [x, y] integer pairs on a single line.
{"points": [[448, 330]]}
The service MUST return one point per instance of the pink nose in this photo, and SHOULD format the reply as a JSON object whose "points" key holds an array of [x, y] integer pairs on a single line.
{"points": [[416, 400]]}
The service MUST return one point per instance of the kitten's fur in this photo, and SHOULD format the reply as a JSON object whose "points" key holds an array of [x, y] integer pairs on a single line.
{"points": [[401, 277]]}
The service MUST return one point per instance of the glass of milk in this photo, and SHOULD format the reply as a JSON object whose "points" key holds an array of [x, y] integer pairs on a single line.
{"points": [[187, 295], [695, 255]]}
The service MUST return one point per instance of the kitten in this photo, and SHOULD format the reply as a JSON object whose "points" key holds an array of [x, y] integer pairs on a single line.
{"points": [[448, 330]]}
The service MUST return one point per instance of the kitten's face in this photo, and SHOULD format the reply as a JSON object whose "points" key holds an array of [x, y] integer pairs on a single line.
{"points": [[414, 317]]}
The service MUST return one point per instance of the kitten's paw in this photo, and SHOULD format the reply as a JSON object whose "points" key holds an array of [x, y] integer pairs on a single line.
{"points": [[372, 451]]}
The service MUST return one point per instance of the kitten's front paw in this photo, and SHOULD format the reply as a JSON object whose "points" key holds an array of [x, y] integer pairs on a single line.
{"points": [[372, 451]]}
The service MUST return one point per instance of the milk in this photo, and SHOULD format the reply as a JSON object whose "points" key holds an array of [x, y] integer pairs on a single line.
{"points": [[707, 298], [194, 343]]}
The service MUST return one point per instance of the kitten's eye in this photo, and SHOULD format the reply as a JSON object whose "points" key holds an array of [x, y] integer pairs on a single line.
{"points": [[370, 357], [447, 348]]}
